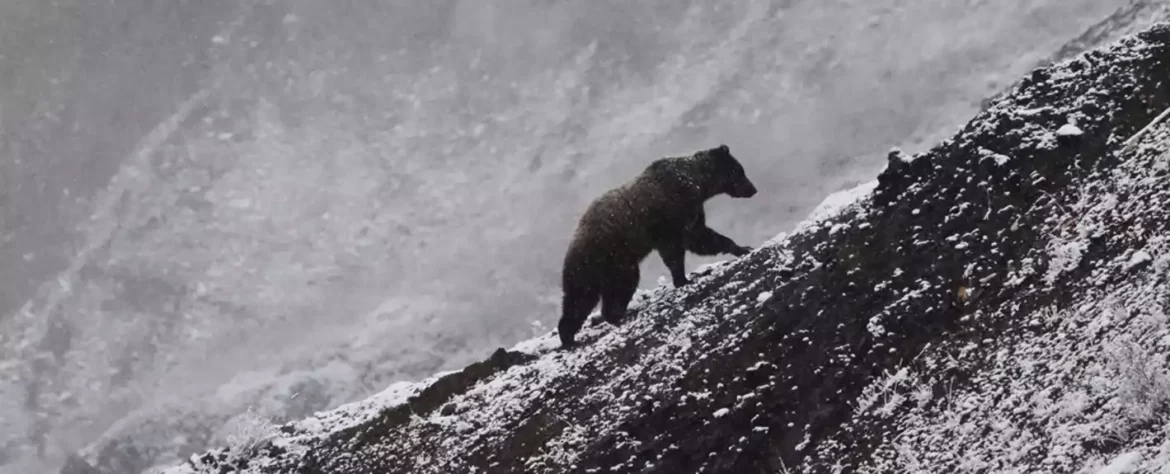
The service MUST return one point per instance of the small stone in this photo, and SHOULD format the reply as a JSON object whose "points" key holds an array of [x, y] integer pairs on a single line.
{"points": [[1138, 260], [1069, 130]]}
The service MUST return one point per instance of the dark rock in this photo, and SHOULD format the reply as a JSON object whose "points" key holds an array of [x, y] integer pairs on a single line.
{"points": [[75, 464]]}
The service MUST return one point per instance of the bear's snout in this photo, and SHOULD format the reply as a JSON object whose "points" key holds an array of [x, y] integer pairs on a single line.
{"points": [[743, 189]]}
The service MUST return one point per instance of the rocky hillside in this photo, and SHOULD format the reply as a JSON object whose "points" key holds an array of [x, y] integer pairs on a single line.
{"points": [[997, 304]]}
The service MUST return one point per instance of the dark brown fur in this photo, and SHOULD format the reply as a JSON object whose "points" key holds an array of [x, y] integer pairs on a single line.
{"points": [[661, 209]]}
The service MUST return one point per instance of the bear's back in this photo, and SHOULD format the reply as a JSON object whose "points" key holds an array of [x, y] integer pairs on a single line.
{"points": [[627, 214]]}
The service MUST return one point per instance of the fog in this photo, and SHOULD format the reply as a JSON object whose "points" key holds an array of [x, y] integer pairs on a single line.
{"points": [[285, 205]]}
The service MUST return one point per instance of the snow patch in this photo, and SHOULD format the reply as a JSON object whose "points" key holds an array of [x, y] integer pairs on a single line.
{"points": [[539, 345], [356, 413], [1138, 258], [999, 159], [832, 206], [902, 156], [1123, 464], [776, 240], [1069, 130], [1064, 256]]}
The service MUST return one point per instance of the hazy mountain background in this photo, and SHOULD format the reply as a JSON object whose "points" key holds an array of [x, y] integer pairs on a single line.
{"points": [[287, 205]]}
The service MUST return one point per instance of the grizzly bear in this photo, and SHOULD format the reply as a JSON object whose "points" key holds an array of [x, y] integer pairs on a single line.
{"points": [[660, 209]]}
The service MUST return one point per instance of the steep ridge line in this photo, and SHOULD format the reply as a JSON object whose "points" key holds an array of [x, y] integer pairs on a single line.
{"points": [[766, 363], [1012, 235]]}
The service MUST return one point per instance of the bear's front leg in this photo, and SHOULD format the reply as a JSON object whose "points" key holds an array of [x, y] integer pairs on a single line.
{"points": [[705, 241]]}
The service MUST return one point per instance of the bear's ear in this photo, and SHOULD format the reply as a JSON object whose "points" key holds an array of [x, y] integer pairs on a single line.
{"points": [[723, 149]]}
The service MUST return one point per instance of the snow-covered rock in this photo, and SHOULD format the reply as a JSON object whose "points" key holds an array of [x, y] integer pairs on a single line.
{"points": [[1069, 130]]}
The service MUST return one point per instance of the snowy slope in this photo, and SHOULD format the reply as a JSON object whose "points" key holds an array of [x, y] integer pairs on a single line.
{"points": [[452, 416], [995, 304], [193, 292], [1059, 361]]}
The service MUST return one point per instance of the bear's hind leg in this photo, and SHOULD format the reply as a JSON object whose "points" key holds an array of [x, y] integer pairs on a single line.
{"points": [[575, 308], [616, 294], [674, 256]]}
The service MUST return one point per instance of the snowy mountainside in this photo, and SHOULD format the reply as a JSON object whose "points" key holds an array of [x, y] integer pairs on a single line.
{"points": [[995, 304], [1058, 358], [192, 292], [1132, 18]]}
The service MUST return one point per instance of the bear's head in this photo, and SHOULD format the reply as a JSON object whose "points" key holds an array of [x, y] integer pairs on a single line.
{"points": [[727, 175]]}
